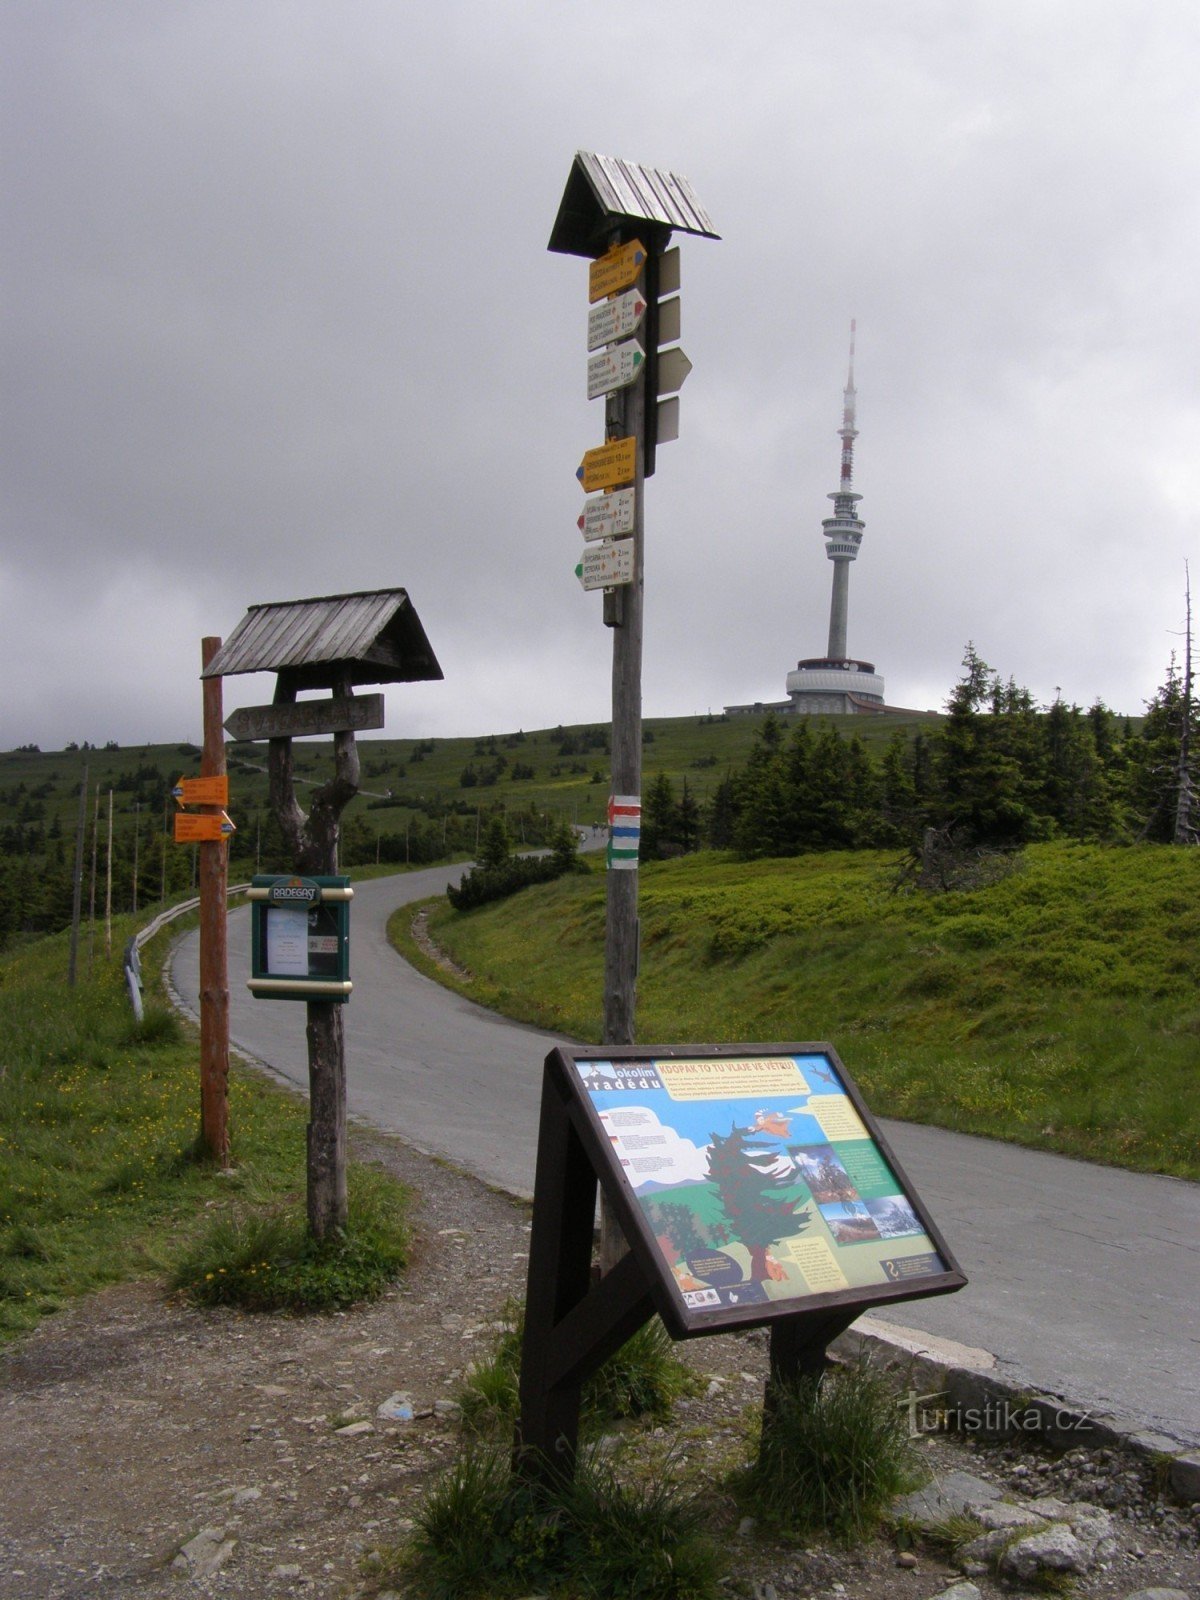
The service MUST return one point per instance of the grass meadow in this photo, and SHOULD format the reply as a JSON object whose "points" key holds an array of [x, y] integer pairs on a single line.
{"points": [[1058, 1008], [99, 1175]]}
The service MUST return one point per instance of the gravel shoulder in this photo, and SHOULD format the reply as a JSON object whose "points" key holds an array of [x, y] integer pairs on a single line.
{"points": [[133, 1426]]}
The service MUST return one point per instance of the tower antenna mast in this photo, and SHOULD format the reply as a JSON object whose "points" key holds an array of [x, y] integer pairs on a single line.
{"points": [[843, 531]]}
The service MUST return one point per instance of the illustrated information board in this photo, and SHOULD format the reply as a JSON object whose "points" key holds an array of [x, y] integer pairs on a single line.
{"points": [[759, 1181]]}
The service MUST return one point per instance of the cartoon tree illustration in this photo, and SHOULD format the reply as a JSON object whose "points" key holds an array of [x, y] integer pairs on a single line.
{"points": [[758, 1213]]}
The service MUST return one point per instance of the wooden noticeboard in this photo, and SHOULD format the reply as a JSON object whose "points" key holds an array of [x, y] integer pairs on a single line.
{"points": [[300, 937]]}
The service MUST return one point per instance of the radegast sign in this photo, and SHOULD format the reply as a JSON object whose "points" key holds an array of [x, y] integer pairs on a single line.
{"points": [[294, 892]]}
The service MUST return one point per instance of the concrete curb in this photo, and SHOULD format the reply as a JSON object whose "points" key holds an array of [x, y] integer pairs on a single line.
{"points": [[957, 1388]]}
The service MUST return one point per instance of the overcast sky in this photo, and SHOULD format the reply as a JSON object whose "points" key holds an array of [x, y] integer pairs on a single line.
{"points": [[280, 321]]}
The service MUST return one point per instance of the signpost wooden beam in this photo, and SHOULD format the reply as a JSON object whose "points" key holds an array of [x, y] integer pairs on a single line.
{"points": [[214, 959], [299, 719]]}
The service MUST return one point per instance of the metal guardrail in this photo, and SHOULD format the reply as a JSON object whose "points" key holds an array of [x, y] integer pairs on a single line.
{"points": [[132, 961]]}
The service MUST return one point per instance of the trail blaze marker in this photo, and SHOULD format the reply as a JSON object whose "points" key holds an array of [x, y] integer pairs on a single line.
{"points": [[608, 516], [610, 465], [624, 830], [617, 270]]}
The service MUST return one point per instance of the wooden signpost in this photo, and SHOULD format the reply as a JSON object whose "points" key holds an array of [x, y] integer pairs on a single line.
{"points": [[335, 643], [213, 875], [301, 719]]}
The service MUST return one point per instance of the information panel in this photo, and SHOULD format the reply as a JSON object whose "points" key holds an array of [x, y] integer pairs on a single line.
{"points": [[761, 1180], [300, 938]]}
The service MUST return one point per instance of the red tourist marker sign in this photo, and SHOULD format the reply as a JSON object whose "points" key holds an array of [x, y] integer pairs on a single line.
{"points": [[608, 516], [615, 319]]}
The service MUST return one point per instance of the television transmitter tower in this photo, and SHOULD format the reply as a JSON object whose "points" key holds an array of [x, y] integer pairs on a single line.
{"points": [[836, 683], [843, 530]]}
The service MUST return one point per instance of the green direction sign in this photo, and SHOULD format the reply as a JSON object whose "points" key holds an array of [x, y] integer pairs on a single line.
{"points": [[615, 368]]}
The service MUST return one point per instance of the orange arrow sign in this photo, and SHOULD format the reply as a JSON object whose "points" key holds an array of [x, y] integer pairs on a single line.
{"points": [[202, 791], [618, 269], [609, 465], [200, 828]]}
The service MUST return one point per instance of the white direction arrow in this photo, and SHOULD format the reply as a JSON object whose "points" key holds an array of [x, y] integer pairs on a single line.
{"points": [[615, 319], [604, 566], [673, 369], [607, 516], [614, 368]]}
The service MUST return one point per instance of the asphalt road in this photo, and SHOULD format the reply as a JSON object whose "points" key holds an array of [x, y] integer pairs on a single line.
{"points": [[1085, 1280]]}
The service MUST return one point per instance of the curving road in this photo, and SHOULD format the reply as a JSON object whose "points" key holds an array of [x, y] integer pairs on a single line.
{"points": [[1085, 1280]]}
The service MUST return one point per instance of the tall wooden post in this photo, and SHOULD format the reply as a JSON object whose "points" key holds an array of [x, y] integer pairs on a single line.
{"points": [[625, 416], [77, 878], [314, 843], [214, 960]]}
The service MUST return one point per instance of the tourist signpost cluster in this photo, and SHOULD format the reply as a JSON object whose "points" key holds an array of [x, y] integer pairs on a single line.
{"points": [[746, 1184]]}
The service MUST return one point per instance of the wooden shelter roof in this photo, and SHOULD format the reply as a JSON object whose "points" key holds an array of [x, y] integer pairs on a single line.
{"points": [[374, 636]]}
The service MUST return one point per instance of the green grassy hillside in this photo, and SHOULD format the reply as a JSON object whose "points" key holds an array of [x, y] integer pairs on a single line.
{"points": [[1058, 1008], [434, 795]]}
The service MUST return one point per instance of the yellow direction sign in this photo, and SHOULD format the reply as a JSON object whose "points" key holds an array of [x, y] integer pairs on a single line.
{"points": [[610, 465], [619, 269], [198, 827], [202, 791]]}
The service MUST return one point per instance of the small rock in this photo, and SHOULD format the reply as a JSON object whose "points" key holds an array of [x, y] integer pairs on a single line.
{"points": [[995, 1514], [1051, 1549], [353, 1429], [245, 1497], [446, 1408], [205, 1554], [746, 1527], [960, 1591], [288, 1571], [906, 1559], [1158, 1594], [397, 1407]]}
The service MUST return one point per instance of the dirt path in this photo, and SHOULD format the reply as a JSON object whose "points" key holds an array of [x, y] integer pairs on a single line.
{"points": [[131, 1425]]}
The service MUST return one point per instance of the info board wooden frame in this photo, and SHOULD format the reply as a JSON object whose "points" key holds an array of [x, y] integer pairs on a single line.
{"points": [[575, 1319], [603, 1152]]}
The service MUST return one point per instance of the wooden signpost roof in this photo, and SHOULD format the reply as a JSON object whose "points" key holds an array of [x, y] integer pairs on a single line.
{"points": [[603, 191], [373, 636]]}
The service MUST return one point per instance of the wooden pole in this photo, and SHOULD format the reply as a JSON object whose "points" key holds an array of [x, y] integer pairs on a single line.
{"points": [[92, 889], [214, 962], [77, 878], [313, 840], [108, 882], [625, 415]]}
